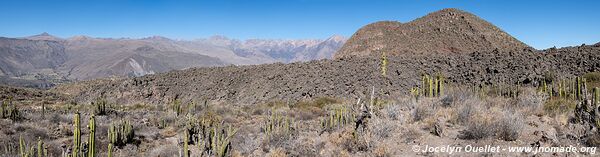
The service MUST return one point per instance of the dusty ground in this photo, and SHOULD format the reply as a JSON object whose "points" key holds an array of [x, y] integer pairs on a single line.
{"points": [[458, 118]]}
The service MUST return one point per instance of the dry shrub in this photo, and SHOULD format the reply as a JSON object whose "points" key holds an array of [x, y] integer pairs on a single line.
{"points": [[558, 106], [468, 108], [381, 151], [592, 140], [318, 102], [306, 114], [509, 126], [166, 150], [349, 141], [530, 101], [423, 110], [481, 125], [493, 122], [593, 79], [412, 134], [279, 152], [457, 96], [381, 128], [168, 132], [303, 146], [392, 111]]}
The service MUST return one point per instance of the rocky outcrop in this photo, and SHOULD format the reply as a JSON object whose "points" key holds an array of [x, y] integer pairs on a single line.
{"points": [[447, 31]]}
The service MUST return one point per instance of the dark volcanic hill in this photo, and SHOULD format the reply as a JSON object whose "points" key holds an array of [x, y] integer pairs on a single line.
{"points": [[349, 77], [444, 31]]}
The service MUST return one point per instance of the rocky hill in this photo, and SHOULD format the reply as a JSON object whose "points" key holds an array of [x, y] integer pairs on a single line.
{"points": [[345, 78], [445, 31]]}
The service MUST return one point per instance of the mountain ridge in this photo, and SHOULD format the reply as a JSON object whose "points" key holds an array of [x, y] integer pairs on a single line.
{"points": [[445, 31], [85, 57]]}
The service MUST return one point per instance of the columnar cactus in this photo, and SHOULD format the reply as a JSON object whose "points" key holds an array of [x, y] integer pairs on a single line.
{"points": [[40, 147], [595, 95], [551, 92], [22, 147], [278, 123], [384, 63], [43, 109], [76, 136], [121, 134], [110, 148], [440, 86], [432, 86], [430, 82], [92, 138], [186, 151], [415, 92], [578, 95], [100, 105], [2, 109], [423, 83]]}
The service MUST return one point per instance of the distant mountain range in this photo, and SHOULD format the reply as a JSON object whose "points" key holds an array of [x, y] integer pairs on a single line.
{"points": [[43, 60]]}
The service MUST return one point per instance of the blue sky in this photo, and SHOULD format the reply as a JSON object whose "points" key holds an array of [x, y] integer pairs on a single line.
{"points": [[541, 24]]}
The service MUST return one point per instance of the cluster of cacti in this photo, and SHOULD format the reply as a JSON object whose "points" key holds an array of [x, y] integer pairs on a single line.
{"points": [[210, 137], [279, 124], [384, 63], [432, 86], [10, 111], [121, 134], [337, 118], [415, 92], [30, 151], [100, 107], [503, 90], [176, 107], [83, 149], [574, 89]]}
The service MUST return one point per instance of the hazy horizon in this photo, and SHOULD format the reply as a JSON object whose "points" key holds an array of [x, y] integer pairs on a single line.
{"points": [[540, 24]]}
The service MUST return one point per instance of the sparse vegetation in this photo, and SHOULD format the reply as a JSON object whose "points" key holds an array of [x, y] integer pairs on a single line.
{"points": [[476, 113]]}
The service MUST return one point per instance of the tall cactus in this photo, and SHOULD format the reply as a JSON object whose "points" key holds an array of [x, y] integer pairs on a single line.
{"points": [[596, 96], [441, 86], [40, 147], [92, 138], [186, 151], [22, 147], [43, 110], [110, 148], [76, 135], [384, 63], [423, 88], [578, 88]]}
